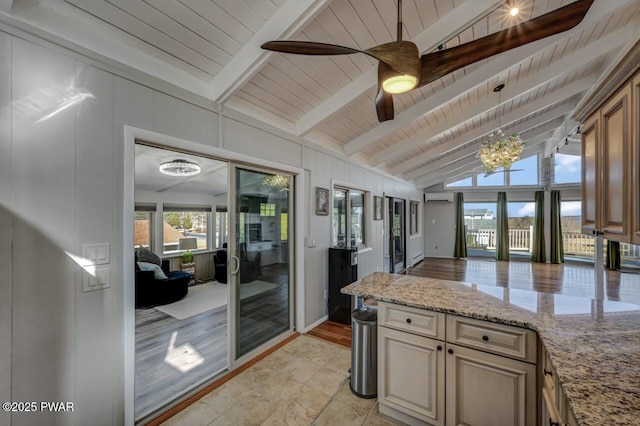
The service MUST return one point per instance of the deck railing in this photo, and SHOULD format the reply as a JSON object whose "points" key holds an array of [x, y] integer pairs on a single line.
{"points": [[575, 244]]}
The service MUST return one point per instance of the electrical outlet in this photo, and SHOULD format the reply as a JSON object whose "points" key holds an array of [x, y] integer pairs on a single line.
{"points": [[436, 247]]}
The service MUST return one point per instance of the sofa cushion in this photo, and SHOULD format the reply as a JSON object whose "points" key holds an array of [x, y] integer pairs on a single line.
{"points": [[158, 273], [146, 255]]}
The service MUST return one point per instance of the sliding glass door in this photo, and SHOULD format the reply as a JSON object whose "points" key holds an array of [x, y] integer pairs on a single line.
{"points": [[260, 258]]}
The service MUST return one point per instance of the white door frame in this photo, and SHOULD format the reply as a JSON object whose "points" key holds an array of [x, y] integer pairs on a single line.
{"points": [[130, 135]]}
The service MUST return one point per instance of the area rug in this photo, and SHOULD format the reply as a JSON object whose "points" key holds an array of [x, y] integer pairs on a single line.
{"points": [[209, 296]]}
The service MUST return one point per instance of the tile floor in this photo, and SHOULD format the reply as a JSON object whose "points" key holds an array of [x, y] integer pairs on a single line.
{"points": [[306, 382]]}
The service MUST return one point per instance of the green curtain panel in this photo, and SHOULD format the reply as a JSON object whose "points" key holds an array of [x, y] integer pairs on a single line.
{"points": [[538, 252], [460, 249], [502, 228], [613, 255], [557, 248]]}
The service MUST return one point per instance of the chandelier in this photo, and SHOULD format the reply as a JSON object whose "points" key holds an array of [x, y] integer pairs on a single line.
{"points": [[277, 181], [500, 150], [179, 168]]}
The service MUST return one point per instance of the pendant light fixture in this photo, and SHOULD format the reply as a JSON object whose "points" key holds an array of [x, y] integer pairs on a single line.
{"points": [[179, 168]]}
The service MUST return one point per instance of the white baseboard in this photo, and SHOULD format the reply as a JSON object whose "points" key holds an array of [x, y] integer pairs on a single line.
{"points": [[314, 325], [417, 259]]}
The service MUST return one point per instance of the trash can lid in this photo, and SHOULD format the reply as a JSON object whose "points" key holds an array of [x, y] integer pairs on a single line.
{"points": [[367, 315]]}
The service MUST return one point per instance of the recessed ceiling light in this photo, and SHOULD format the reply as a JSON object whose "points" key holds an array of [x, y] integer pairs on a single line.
{"points": [[179, 168]]}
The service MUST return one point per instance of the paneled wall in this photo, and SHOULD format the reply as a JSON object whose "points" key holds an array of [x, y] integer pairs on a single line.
{"points": [[62, 126]]}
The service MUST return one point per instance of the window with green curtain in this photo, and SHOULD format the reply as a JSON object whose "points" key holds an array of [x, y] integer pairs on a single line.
{"points": [[538, 252], [460, 249], [557, 248], [502, 228]]}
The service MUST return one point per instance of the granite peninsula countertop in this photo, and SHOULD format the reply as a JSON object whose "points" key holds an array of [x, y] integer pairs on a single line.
{"points": [[594, 345]]}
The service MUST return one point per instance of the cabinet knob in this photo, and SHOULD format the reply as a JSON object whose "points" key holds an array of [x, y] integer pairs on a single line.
{"points": [[485, 338], [439, 347], [547, 372], [552, 423], [450, 350], [408, 320]]}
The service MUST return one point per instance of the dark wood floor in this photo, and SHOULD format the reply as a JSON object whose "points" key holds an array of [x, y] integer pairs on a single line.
{"points": [[570, 279]]}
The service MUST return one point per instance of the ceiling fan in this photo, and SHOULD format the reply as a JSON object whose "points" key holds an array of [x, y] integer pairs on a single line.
{"points": [[401, 68]]}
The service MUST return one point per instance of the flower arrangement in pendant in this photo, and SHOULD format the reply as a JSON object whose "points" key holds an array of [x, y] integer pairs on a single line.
{"points": [[500, 150]]}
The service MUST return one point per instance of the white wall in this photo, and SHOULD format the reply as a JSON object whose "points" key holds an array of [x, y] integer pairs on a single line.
{"points": [[325, 169], [62, 186], [439, 228]]}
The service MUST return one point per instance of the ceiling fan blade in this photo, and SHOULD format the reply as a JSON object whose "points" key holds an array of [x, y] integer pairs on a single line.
{"points": [[402, 56], [384, 100], [308, 48], [441, 63]]}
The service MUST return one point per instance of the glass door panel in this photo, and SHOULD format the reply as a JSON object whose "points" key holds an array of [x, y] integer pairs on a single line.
{"points": [[261, 273], [396, 235]]}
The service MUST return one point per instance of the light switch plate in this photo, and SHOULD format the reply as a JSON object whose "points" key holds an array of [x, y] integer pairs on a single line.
{"points": [[96, 278], [97, 254]]}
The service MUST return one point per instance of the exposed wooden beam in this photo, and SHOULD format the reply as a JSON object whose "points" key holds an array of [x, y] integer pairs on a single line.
{"points": [[470, 165], [541, 103], [538, 124], [473, 79], [289, 19], [567, 63], [439, 32]]}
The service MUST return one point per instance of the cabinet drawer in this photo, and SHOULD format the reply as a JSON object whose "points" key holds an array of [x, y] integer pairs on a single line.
{"points": [[413, 320], [514, 342]]}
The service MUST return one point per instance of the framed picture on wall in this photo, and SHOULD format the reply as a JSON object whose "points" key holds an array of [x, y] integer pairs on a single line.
{"points": [[322, 201], [377, 208]]}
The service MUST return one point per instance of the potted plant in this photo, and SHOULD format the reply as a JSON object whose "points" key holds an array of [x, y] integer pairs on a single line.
{"points": [[188, 264]]}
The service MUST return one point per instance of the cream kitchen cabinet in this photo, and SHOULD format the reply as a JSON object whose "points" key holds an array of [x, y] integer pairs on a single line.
{"points": [[441, 369], [611, 156]]}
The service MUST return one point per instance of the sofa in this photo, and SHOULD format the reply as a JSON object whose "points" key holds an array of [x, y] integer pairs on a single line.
{"points": [[152, 292]]}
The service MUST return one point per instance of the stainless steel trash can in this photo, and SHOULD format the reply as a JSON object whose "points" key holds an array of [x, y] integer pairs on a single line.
{"points": [[364, 352]]}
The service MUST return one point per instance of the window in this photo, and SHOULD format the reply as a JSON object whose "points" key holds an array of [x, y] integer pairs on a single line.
{"points": [[143, 234], [267, 209], [480, 220], [524, 172], [414, 221], [464, 182], [284, 226], [494, 179], [184, 221], [521, 218], [567, 168], [348, 218]]}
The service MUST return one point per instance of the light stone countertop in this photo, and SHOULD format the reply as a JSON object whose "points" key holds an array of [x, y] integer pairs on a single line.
{"points": [[594, 345]]}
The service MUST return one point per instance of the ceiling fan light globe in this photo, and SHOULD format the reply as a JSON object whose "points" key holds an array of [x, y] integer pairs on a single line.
{"points": [[399, 84]]}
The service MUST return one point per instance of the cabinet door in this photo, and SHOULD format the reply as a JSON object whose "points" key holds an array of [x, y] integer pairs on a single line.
{"points": [[616, 167], [635, 128], [590, 174], [487, 390], [411, 375]]}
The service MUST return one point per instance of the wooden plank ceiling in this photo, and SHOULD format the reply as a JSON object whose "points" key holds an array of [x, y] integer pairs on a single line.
{"points": [[211, 47]]}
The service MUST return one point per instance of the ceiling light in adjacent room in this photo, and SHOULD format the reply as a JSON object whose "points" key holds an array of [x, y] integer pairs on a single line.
{"points": [[179, 168]]}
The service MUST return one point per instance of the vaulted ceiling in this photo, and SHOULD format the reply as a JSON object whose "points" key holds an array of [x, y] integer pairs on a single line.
{"points": [[212, 48]]}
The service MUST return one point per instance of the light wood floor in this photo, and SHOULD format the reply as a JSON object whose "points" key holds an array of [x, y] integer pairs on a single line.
{"points": [[157, 383]]}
